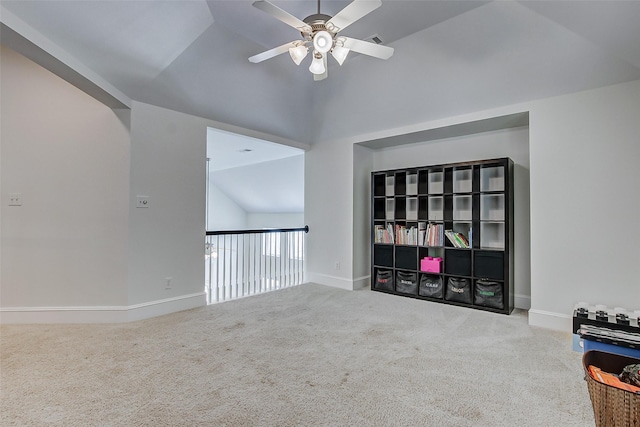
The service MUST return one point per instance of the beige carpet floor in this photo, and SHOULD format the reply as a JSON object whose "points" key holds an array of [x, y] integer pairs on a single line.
{"points": [[304, 356]]}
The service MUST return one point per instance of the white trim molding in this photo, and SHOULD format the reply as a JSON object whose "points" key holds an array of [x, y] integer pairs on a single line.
{"points": [[102, 314], [363, 282], [550, 320], [333, 281], [522, 301]]}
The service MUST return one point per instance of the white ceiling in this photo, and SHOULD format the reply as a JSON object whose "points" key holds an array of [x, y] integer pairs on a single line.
{"points": [[451, 57], [227, 150]]}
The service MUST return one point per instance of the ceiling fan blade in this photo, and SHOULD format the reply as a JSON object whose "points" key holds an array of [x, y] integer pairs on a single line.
{"points": [[281, 15], [318, 77], [272, 52], [354, 11], [371, 49]]}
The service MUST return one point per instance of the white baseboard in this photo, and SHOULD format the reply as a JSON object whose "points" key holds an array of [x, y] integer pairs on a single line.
{"points": [[166, 306], [334, 282], [101, 314], [363, 282], [550, 320], [522, 301]]}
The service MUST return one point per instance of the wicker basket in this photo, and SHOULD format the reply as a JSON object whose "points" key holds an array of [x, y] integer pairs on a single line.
{"points": [[612, 407]]}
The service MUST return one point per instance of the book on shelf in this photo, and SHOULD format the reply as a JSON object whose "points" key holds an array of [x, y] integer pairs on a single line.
{"points": [[406, 235], [422, 233], [433, 235], [462, 239], [383, 234], [458, 240]]}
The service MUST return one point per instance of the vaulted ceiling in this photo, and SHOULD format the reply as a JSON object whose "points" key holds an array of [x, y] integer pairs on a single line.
{"points": [[451, 57]]}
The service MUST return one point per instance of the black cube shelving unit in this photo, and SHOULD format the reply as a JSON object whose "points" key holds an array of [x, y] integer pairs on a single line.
{"points": [[414, 209]]}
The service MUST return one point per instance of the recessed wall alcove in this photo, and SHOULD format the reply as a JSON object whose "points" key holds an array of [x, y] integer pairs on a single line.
{"points": [[493, 137]]}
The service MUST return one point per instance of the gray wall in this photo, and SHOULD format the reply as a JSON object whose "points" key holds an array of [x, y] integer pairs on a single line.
{"points": [[328, 202], [583, 200], [585, 226], [168, 164], [68, 155], [223, 213]]}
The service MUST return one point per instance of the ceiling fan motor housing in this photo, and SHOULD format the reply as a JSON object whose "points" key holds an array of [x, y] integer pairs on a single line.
{"points": [[318, 22]]}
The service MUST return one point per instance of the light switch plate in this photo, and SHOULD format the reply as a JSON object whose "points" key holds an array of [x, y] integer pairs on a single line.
{"points": [[15, 199], [142, 202]]}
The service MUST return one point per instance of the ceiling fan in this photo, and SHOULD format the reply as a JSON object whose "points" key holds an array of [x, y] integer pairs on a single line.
{"points": [[320, 32]]}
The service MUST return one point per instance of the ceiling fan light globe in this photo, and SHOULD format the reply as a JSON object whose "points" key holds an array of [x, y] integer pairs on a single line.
{"points": [[322, 41], [317, 65], [298, 53], [339, 53]]}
